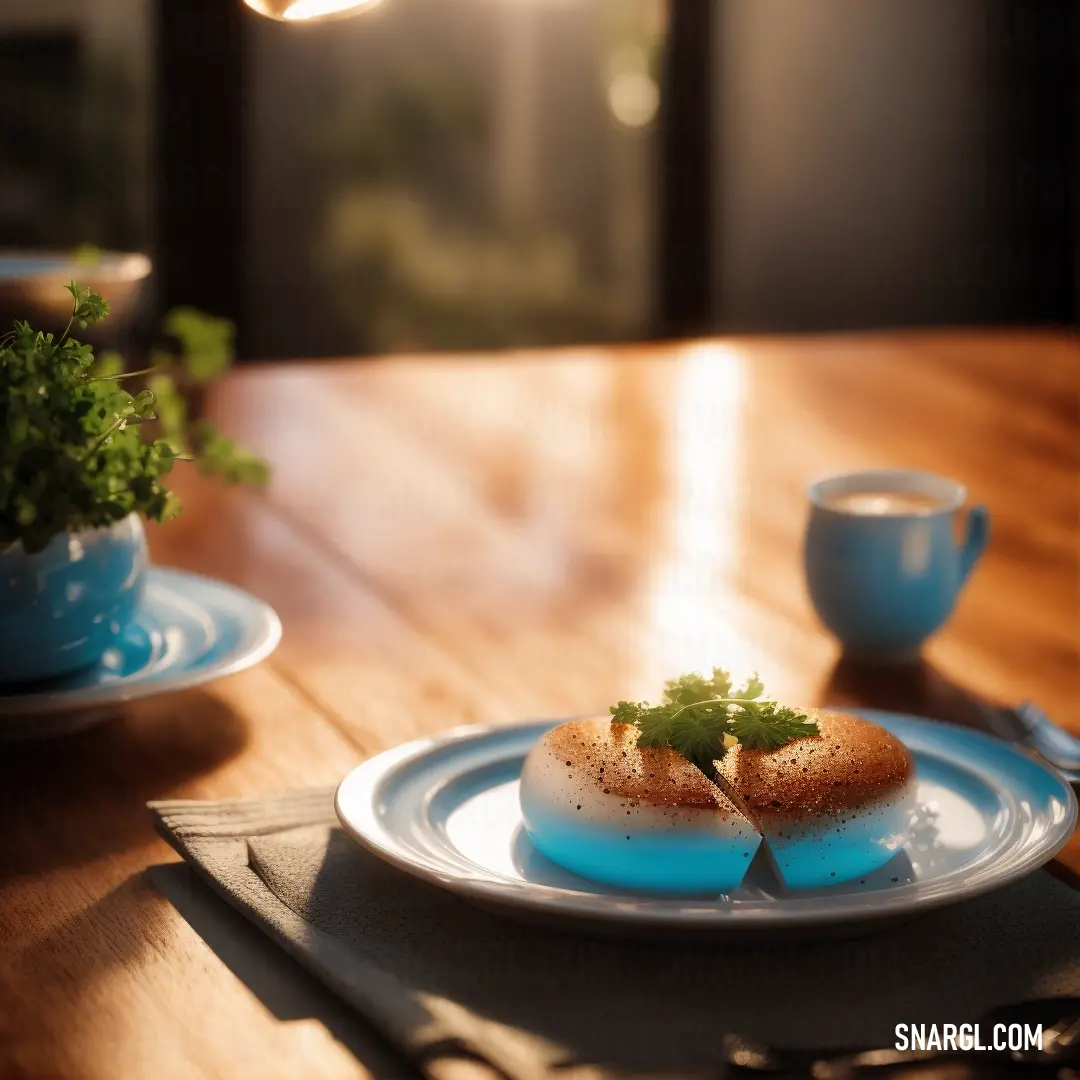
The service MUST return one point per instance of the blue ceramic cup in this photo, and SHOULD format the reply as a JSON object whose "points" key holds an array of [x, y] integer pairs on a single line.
{"points": [[883, 564]]}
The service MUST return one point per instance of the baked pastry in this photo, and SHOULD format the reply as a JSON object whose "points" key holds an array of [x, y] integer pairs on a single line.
{"points": [[645, 818], [831, 807], [677, 797]]}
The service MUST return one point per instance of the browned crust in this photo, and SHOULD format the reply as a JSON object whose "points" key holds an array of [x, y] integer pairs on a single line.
{"points": [[851, 763], [608, 755]]}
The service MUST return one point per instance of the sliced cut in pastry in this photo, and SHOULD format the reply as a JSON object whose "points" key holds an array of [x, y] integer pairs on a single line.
{"points": [[831, 807]]}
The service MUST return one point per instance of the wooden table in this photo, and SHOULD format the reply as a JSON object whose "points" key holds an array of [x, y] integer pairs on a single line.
{"points": [[460, 539]]}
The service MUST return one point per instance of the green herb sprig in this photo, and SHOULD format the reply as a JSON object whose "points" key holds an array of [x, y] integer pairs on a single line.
{"points": [[203, 350], [200, 349], [702, 717], [71, 454]]}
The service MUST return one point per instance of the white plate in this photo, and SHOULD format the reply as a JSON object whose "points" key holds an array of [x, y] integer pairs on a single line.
{"points": [[190, 629], [446, 810]]}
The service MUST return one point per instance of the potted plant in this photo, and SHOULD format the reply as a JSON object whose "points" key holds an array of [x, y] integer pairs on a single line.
{"points": [[77, 477]]}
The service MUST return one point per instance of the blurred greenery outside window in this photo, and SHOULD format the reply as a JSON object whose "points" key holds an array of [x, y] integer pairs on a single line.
{"points": [[430, 175], [483, 169]]}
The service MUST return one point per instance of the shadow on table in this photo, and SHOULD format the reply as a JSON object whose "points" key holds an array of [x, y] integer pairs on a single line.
{"points": [[917, 688], [74, 798], [278, 981], [78, 952], [72, 953]]}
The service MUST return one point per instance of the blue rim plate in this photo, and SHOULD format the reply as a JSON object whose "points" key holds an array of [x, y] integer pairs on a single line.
{"points": [[189, 630], [445, 809]]}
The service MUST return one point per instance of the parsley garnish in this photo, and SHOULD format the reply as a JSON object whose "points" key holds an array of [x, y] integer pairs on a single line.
{"points": [[701, 717]]}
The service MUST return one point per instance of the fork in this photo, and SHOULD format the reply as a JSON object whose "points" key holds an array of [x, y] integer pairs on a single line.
{"points": [[1058, 746]]}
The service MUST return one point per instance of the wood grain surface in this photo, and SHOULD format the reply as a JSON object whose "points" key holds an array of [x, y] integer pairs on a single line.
{"points": [[460, 539]]}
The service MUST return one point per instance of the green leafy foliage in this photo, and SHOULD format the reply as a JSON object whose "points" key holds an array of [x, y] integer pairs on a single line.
{"points": [[768, 726], [218, 455], [90, 307], [108, 364], [172, 410], [204, 350], [206, 344], [71, 453], [87, 256], [701, 717]]}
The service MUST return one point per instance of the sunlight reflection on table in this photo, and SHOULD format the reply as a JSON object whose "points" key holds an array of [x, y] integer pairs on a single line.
{"points": [[692, 629]]}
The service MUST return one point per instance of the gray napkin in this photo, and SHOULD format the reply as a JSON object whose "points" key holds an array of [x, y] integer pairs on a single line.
{"points": [[447, 981]]}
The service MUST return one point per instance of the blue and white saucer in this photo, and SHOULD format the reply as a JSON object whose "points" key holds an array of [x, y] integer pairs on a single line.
{"points": [[190, 630]]}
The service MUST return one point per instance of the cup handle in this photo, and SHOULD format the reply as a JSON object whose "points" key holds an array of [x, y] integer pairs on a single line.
{"points": [[975, 541]]}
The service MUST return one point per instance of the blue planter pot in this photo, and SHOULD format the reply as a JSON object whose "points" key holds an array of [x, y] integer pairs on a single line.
{"points": [[62, 608]]}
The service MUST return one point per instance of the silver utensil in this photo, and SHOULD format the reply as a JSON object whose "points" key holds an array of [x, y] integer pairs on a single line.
{"points": [[1028, 726], [1057, 745]]}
